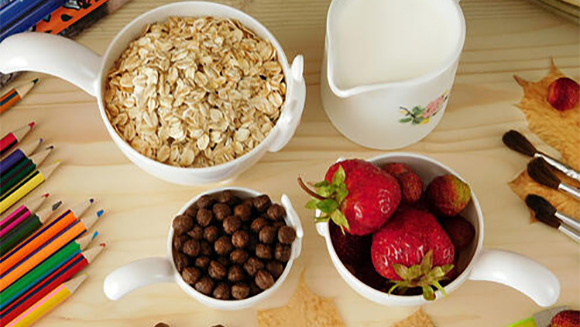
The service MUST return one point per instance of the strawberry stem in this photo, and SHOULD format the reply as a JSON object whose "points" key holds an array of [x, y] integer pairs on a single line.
{"points": [[309, 191]]}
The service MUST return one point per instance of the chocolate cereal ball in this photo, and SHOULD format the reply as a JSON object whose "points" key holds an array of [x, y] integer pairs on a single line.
{"points": [[222, 291], [191, 248], [204, 285], [182, 224], [221, 211], [264, 251], [239, 256], [191, 211], [252, 265], [216, 270], [275, 268], [206, 248], [202, 263], [282, 252], [264, 279], [196, 232], [190, 275], [204, 217], [243, 211], [178, 241], [211, 233], [232, 224], [227, 197], [276, 212], [262, 202], [240, 291], [240, 239], [181, 261], [224, 260], [267, 234], [236, 274], [258, 224], [205, 202], [223, 245], [286, 235]]}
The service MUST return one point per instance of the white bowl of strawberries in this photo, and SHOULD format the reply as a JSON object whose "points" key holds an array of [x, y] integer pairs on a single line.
{"points": [[403, 229]]}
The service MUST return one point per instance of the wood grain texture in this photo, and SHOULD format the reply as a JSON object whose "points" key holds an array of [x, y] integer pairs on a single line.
{"points": [[503, 37]]}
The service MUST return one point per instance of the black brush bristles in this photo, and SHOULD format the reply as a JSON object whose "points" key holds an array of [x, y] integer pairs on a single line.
{"points": [[538, 203], [517, 142], [540, 172]]}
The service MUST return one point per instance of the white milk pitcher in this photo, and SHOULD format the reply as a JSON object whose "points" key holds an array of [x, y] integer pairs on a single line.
{"points": [[389, 66]]}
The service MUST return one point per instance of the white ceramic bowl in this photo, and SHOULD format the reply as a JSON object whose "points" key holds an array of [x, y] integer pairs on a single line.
{"points": [[158, 270], [475, 263], [64, 58]]}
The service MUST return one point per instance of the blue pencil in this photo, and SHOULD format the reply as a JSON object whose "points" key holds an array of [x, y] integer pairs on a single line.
{"points": [[18, 154], [15, 10], [4, 3], [32, 17]]}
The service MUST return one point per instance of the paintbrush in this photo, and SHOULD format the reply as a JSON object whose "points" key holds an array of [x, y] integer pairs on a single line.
{"points": [[541, 173], [538, 203], [543, 215], [517, 142]]}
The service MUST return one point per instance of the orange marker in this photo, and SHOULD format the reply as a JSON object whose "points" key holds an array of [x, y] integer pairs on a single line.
{"points": [[38, 239], [16, 94], [48, 249]]}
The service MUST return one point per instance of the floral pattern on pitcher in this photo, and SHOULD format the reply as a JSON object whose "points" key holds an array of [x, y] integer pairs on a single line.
{"points": [[419, 115]]}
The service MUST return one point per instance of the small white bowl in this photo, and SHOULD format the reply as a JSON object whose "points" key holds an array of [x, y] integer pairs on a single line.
{"points": [[157, 270], [475, 263], [68, 60]]}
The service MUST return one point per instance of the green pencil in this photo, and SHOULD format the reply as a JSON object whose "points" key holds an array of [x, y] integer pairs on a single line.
{"points": [[47, 267], [26, 228], [22, 169]]}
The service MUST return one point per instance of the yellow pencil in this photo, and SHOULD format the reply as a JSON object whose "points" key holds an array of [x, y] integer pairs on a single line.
{"points": [[26, 186], [47, 303]]}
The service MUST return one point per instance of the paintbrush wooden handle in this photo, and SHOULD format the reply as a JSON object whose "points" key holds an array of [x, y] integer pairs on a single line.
{"points": [[567, 170]]}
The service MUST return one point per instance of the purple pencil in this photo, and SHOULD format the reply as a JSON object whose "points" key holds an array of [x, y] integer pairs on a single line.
{"points": [[18, 154]]}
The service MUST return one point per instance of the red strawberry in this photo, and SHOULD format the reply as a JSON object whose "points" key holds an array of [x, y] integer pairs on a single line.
{"points": [[413, 249], [563, 93], [356, 195], [448, 195], [460, 231], [566, 318], [351, 249], [397, 168]]}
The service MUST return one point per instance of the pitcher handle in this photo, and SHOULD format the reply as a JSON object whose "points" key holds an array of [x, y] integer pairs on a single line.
{"points": [[51, 54], [290, 117], [518, 272], [137, 274]]}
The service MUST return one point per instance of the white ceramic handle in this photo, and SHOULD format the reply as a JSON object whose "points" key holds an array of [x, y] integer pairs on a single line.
{"points": [[518, 272], [51, 54], [137, 274], [289, 121]]}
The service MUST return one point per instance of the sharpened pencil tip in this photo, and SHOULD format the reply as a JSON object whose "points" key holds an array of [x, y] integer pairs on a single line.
{"points": [[91, 200], [103, 245], [100, 213], [46, 195], [56, 205], [95, 234], [50, 147], [40, 140], [31, 124], [35, 80]]}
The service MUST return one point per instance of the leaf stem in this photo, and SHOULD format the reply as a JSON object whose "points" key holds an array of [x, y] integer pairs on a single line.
{"points": [[309, 191]]}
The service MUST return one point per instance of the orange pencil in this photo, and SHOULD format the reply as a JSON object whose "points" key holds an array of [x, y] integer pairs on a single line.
{"points": [[51, 247], [38, 239], [16, 94]]}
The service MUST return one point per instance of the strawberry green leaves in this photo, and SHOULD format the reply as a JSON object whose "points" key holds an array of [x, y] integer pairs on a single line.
{"points": [[423, 275], [328, 197]]}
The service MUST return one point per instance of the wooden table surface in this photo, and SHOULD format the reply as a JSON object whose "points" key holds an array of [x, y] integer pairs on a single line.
{"points": [[503, 37]]}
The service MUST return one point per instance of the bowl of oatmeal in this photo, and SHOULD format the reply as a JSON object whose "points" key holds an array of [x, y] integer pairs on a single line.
{"points": [[191, 92]]}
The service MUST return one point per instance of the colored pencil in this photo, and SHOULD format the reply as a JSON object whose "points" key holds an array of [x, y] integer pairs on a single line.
{"points": [[65, 272], [11, 139], [48, 249], [20, 214], [26, 186], [30, 18], [16, 94], [38, 274], [16, 10], [3, 3], [22, 170], [48, 302], [29, 226], [18, 154], [41, 237]]}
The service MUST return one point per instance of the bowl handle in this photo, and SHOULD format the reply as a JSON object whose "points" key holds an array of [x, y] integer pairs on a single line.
{"points": [[137, 274], [290, 118], [51, 54], [518, 272]]}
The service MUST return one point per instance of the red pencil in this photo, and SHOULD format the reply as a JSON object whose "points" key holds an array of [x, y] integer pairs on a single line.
{"points": [[12, 138], [47, 285]]}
